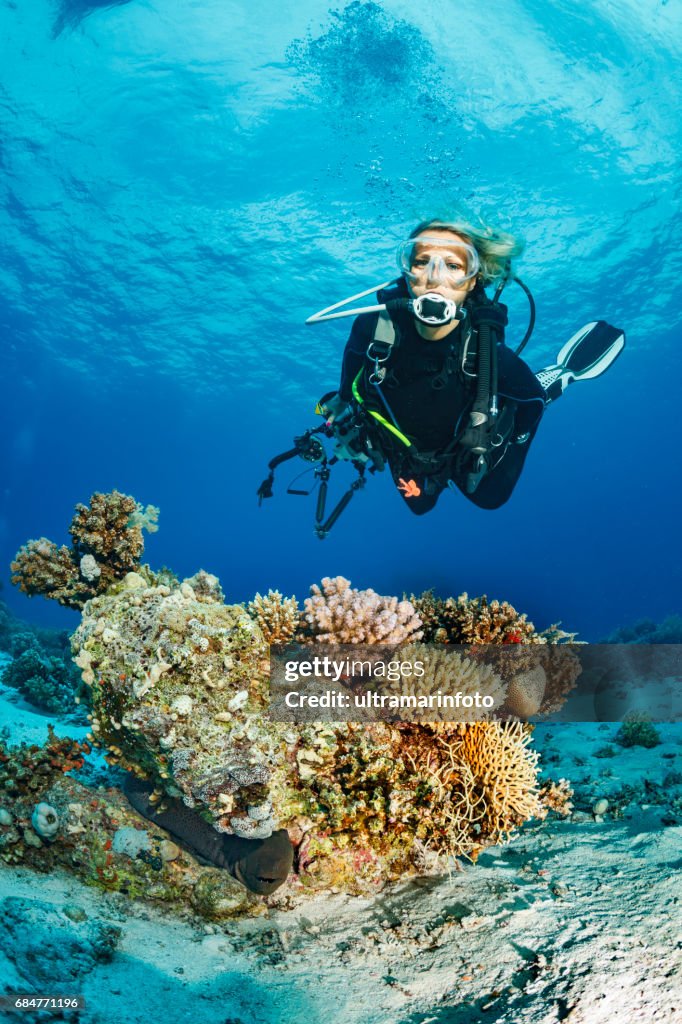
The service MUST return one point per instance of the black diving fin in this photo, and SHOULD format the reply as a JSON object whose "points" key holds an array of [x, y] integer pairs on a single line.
{"points": [[586, 355]]}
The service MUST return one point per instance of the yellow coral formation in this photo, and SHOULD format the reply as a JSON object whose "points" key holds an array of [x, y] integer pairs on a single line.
{"points": [[277, 616], [449, 672], [336, 613], [499, 778]]}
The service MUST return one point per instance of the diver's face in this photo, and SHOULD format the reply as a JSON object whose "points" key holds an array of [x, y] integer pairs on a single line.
{"points": [[438, 267]]}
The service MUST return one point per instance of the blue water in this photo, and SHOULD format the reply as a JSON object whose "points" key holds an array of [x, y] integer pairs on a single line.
{"points": [[182, 184]]}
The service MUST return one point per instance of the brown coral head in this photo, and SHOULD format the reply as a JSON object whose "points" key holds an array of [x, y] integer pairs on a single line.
{"points": [[107, 544]]}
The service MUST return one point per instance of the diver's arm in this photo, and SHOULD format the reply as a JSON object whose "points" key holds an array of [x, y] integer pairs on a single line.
{"points": [[518, 382]]}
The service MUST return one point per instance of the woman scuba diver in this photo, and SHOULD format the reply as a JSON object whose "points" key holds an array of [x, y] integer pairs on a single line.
{"points": [[427, 371], [428, 385]]}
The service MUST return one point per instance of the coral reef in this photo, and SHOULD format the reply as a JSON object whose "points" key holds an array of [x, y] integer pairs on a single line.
{"points": [[42, 670], [177, 688], [17, 636], [375, 797], [337, 613], [278, 617], [107, 543]]}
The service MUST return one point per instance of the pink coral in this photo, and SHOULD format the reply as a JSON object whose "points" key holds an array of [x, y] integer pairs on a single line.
{"points": [[337, 613]]}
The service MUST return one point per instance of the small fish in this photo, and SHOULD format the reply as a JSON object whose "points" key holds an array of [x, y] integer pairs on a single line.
{"points": [[262, 865]]}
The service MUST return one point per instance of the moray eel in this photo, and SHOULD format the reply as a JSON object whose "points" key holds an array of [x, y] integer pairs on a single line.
{"points": [[262, 865]]}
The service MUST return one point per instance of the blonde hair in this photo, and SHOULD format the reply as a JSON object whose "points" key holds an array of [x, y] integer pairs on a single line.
{"points": [[496, 249]]}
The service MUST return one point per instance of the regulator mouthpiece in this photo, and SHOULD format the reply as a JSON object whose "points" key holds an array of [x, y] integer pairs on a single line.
{"points": [[434, 309]]}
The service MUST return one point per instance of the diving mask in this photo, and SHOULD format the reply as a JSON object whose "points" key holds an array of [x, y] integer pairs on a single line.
{"points": [[444, 261]]}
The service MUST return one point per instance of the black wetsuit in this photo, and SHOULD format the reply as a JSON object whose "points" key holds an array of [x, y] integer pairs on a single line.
{"points": [[430, 402]]}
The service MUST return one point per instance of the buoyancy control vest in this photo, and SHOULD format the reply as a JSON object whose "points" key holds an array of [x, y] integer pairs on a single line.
{"points": [[477, 439]]}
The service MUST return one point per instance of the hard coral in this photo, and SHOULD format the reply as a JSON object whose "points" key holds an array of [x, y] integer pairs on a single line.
{"points": [[277, 616], [465, 620], [107, 544], [378, 795], [177, 688], [448, 671], [339, 614], [539, 679], [40, 567]]}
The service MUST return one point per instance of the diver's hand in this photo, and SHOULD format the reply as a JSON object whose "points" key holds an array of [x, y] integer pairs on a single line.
{"points": [[335, 409]]}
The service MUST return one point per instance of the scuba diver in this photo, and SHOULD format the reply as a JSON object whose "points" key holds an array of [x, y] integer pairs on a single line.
{"points": [[428, 386]]}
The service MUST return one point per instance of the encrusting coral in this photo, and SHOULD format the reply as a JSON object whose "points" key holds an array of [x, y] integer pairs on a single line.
{"points": [[107, 543], [177, 687], [337, 613]]}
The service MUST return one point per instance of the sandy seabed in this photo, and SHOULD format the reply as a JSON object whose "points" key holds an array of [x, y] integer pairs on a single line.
{"points": [[577, 919]]}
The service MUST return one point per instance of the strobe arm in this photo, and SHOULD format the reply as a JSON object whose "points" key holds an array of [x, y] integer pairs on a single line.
{"points": [[304, 446]]}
